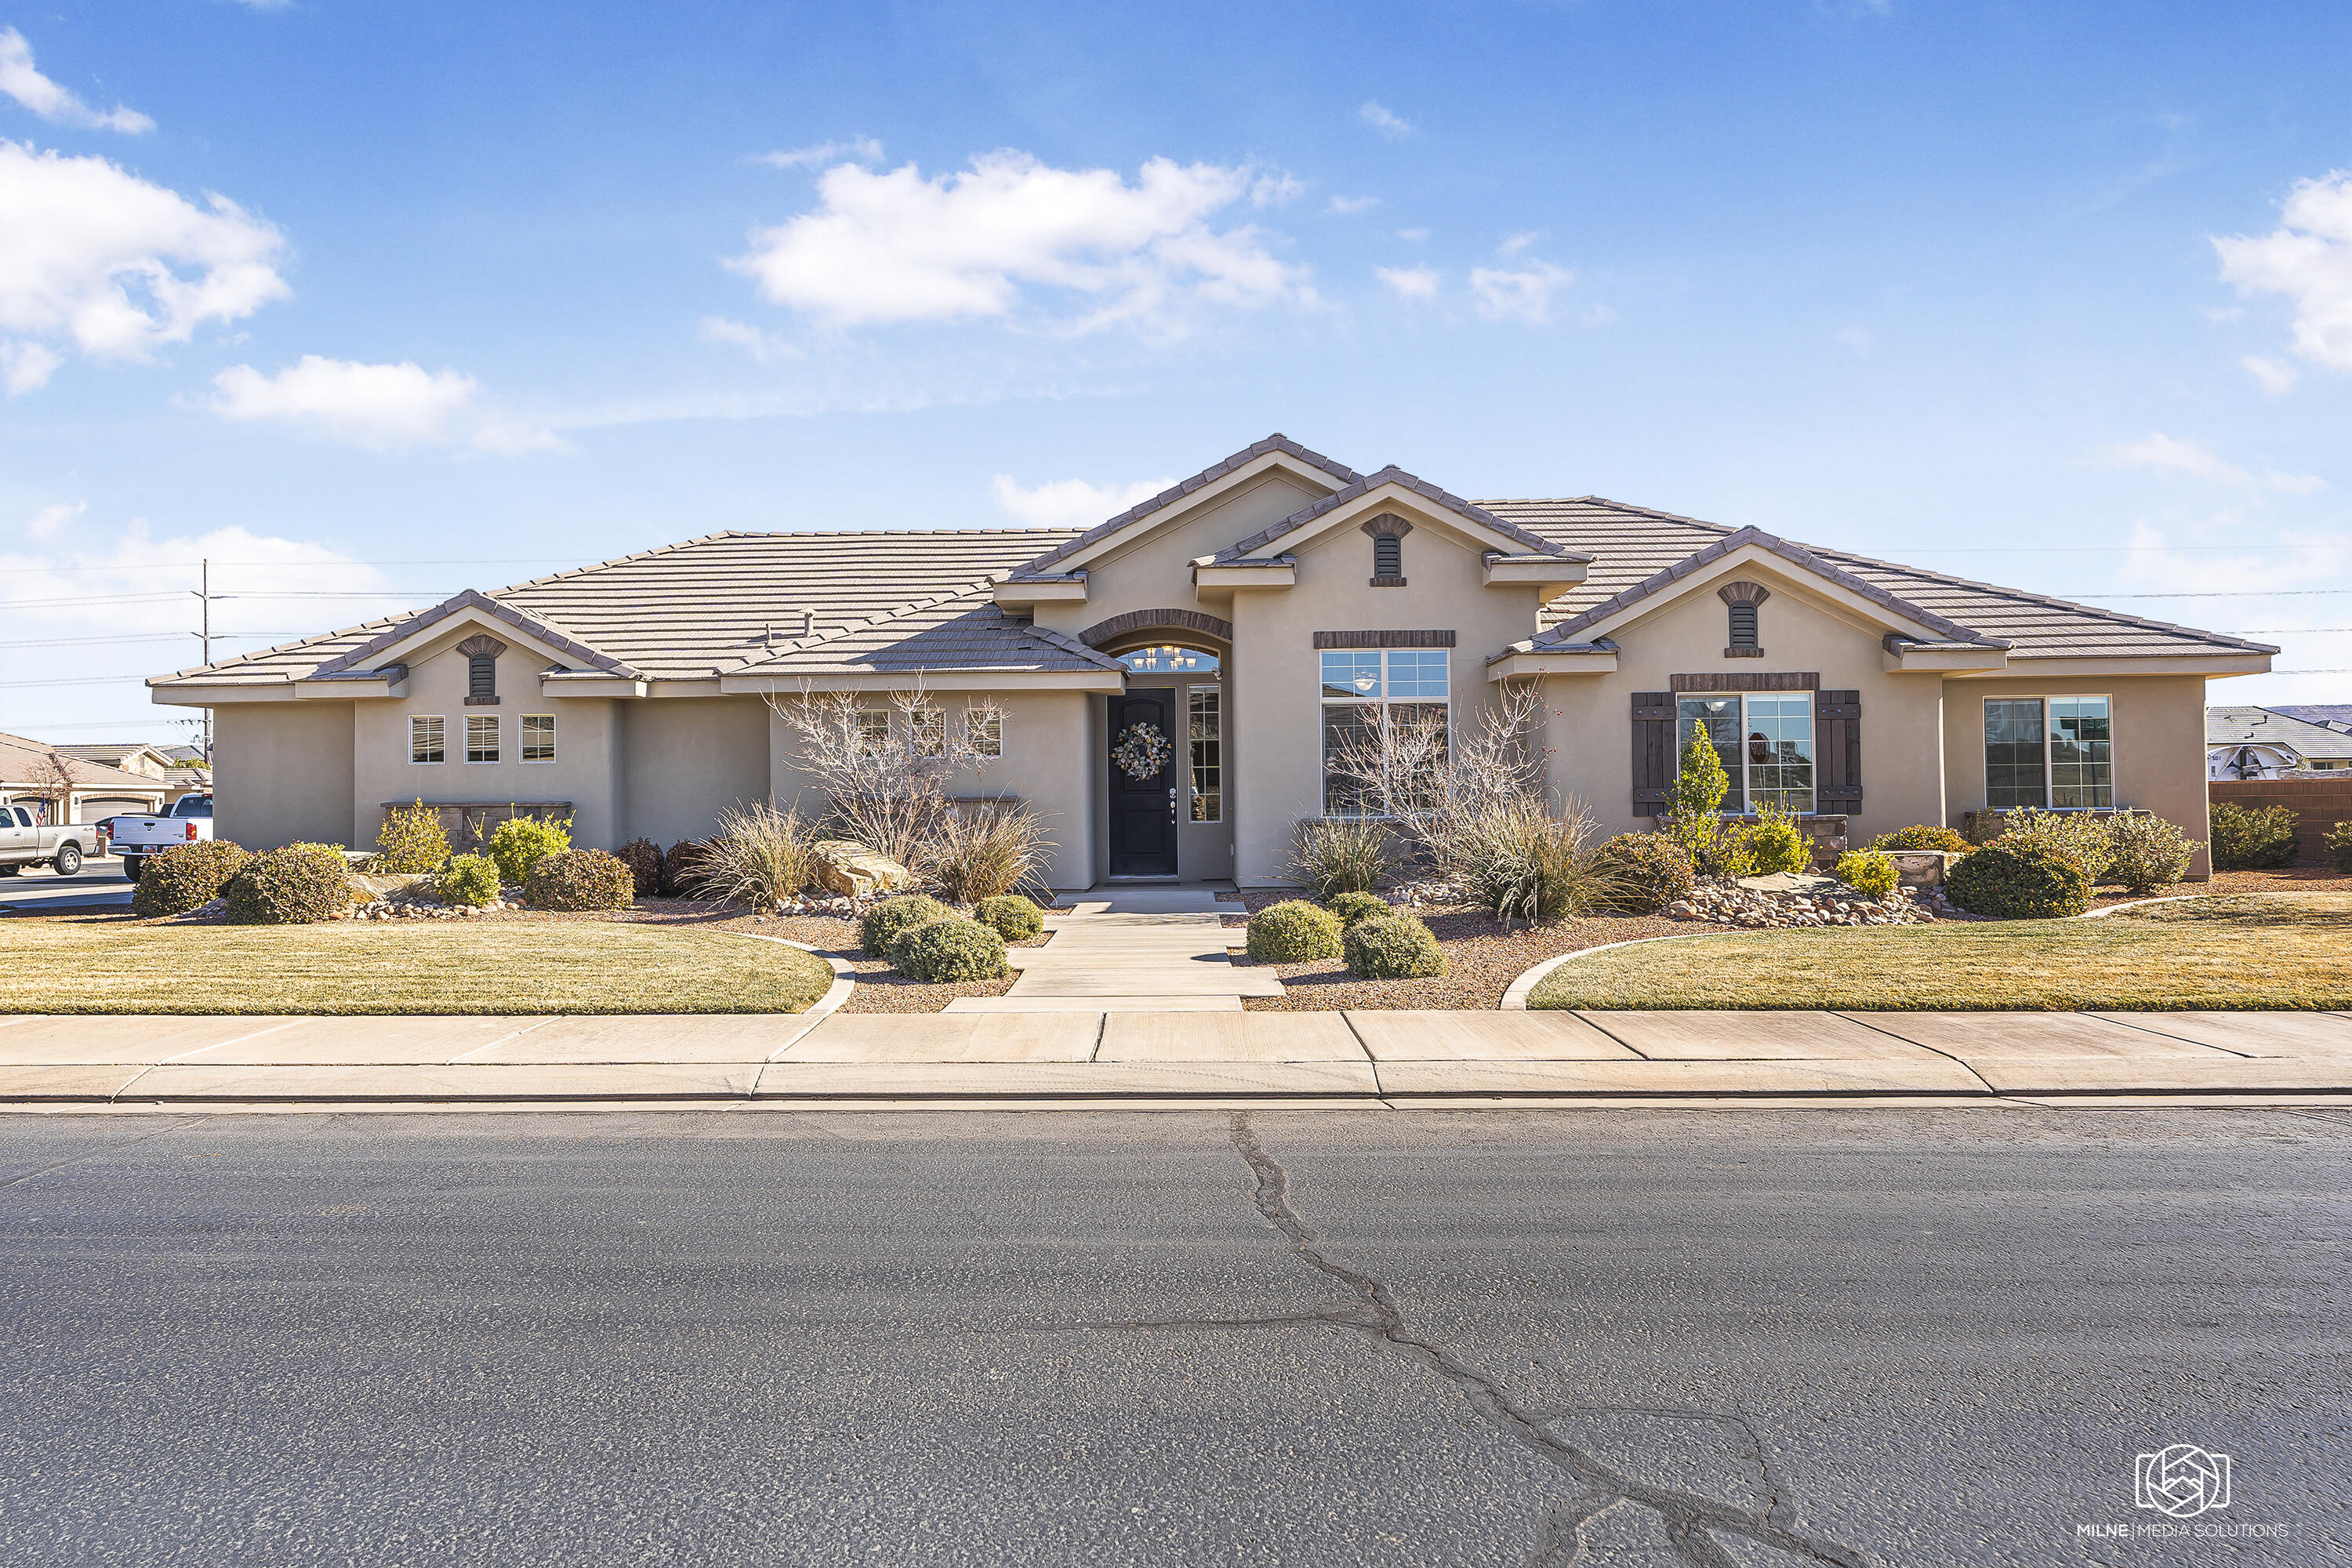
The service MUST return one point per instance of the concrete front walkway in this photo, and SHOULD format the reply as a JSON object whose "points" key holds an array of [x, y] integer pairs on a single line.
{"points": [[1131, 950], [1076, 1056]]}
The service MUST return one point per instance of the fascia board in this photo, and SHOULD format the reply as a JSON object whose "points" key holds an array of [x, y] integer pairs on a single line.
{"points": [[1545, 573], [596, 684], [1224, 484], [1750, 558], [1519, 666], [348, 690], [1014, 593], [930, 680], [466, 621], [1942, 660], [221, 694], [2078, 668], [1415, 509], [1281, 572]]}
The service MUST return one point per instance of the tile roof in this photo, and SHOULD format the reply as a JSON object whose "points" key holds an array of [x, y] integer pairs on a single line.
{"points": [[1631, 544], [2245, 726], [24, 765], [2329, 713], [1277, 442], [1366, 483], [968, 632]]}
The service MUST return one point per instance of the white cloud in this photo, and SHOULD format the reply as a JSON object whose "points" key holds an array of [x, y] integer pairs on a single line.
{"points": [[1347, 206], [857, 149], [1413, 235], [1071, 503], [2277, 379], [379, 406], [895, 246], [1513, 244], [93, 256], [1410, 283], [21, 80], [1521, 295], [132, 571], [1276, 189], [764, 347], [1388, 125], [2308, 259], [50, 521], [2161, 454]]}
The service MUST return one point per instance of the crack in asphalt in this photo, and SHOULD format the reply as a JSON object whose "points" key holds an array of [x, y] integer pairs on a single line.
{"points": [[1686, 1518]]}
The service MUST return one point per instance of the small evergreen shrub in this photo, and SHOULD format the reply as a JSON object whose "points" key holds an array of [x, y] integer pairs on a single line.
{"points": [[1923, 837], [643, 857], [2146, 853], [2083, 839], [2252, 839], [2017, 880], [1775, 843], [469, 879], [681, 866], [580, 879], [1392, 947], [185, 876], [949, 952], [881, 924], [411, 840], [1342, 855], [1868, 872], [1647, 871], [2338, 845], [1353, 907], [1013, 917], [294, 886], [523, 842], [1293, 932]]}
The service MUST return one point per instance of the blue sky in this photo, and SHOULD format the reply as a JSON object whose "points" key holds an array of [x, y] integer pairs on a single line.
{"points": [[383, 301]]}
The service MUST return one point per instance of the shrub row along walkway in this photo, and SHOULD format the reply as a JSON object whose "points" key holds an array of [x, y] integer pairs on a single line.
{"points": [[1355, 1058], [1153, 950]]}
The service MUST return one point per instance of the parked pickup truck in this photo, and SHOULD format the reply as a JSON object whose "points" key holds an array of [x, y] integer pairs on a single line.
{"points": [[136, 837], [24, 842]]}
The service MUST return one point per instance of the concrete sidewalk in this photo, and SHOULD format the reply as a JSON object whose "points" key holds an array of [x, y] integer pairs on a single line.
{"points": [[1107, 1057]]}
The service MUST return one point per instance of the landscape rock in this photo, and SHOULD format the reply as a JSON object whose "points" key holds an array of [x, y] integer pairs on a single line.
{"points": [[1789, 901], [853, 869]]}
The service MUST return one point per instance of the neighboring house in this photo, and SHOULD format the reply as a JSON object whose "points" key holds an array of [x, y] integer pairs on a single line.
{"points": [[2271, 743], [2335, 715], [91, 793], [181, 769], [1253, 614]]}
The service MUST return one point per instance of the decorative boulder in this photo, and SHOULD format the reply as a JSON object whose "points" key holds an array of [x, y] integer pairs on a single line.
{"points": [[843, 867]]}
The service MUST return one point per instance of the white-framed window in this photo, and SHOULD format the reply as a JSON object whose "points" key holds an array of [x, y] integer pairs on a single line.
{"points": [[481, 737], [428, 738], [2053, 752], [872, 731], [1367, 694], [1764, 739], [928, 728], [984, 732], [1204, 733], [538, 737]]}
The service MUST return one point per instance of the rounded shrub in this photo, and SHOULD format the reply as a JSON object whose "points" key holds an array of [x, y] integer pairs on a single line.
{"points": [[681, 864], [948, 952], [1293, 932], [580, 879], [2145, 852], [411, 840], [1642, 873], [2338, 845], [1868, 872], [1353, 907], [293, 886], [1392, 947], [2019, 881], [643, 857], [1013, 917], [521, 842], [2252, 838], [469, 879], [881, 924], [1778, 843], [1923, 837], [185, 876]]}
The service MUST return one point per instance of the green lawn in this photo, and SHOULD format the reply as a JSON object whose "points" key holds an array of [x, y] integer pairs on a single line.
{"points": [[585, 966], [2253, 951]]}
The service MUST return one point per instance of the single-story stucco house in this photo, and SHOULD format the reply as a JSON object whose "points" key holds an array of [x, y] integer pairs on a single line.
{"points": [[62, 787], [1251, 615]]}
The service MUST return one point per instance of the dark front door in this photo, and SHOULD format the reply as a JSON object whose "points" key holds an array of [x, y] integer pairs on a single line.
{"points": [[1143, 806]]}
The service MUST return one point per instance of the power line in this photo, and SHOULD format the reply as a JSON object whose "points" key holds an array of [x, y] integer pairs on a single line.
{"points": [[321, 565], [141, 636], [178, 594], [79, 681], [2219, 594]]}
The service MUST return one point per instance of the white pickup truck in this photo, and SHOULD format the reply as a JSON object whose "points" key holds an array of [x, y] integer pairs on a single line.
{"points": [[25, 842], [136, 837]]}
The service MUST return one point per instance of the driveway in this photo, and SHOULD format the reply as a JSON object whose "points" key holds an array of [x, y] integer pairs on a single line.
{"points": [[99, 884]]}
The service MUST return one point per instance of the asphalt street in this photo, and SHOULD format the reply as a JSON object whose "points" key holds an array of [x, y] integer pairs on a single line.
{"points": [[99, 884], [1707, 1339]]}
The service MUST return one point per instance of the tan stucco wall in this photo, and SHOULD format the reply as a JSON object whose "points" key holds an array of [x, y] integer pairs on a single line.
{"points": [[1155, 572], [1592, 728], [1275, 690], [2157, 722], [587, 750], [282, 774], [687, 759], [1044, 765]]}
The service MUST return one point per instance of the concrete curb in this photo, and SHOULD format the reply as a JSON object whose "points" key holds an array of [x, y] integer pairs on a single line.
{"points": [[845, 981], [1515, 999]]}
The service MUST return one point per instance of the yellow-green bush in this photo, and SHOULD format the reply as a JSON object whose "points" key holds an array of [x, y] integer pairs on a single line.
{"points": [[880, 925], [294, 886], [1293, 932], [410, 840], [949, 952], [521, 842], [1868, 872], [1353, 907], [1015, 918], [1392, 947], [1923, 837], [1775, 843], [2015, 879], [469, 880]]}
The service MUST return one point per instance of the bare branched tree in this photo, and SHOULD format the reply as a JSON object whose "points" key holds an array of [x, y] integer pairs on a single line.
{"points": [[1406, 767], [55, 779], [884, 770]]}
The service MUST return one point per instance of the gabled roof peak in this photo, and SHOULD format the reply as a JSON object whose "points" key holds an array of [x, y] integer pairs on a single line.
{"points": [[1363, 485], [1340, 473]]}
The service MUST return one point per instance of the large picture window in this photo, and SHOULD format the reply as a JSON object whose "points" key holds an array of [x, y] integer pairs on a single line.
{"points": [[1205, 734], [1376, 701], [1765, 740], [2049, 752]]}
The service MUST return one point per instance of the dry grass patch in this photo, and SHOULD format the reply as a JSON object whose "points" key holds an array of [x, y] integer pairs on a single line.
{"points": [[2277, 950], [83, 965]]}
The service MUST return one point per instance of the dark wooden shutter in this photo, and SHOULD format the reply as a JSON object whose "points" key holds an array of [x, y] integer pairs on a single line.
{"points": [[1837, 753], [1653, 751]]}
